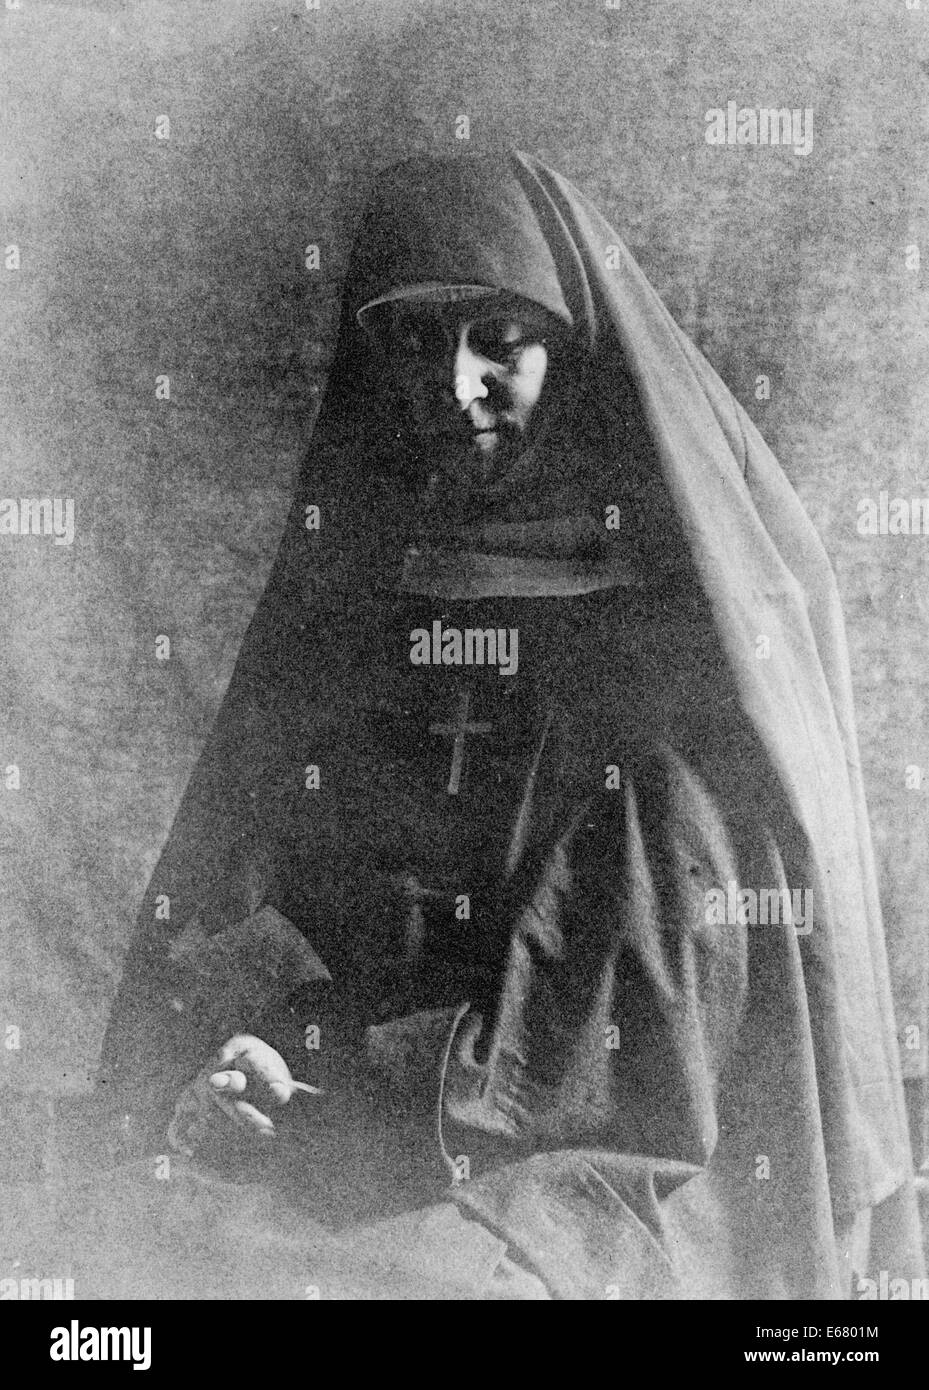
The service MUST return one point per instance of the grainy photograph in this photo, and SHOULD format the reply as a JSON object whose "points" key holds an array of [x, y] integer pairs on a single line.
{"points": [[464, 684]]}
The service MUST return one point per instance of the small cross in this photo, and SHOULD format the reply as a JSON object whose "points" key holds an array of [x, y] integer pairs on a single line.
{"points": [[458, 730]]}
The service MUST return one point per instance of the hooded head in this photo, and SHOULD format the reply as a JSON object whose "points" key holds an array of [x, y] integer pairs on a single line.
{"points": [[465, 342], [464, 302]]}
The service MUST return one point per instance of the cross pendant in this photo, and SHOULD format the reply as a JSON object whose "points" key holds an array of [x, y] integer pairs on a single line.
{"points": [[458, 731]]}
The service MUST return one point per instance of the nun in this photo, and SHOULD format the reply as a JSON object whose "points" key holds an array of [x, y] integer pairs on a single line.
{"points": [[523, 893]]}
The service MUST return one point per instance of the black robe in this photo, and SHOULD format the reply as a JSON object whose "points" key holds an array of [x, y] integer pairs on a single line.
{"points": [[526, 994]]}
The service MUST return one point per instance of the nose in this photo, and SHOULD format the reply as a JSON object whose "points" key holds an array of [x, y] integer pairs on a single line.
{"points": [[469, 370]]}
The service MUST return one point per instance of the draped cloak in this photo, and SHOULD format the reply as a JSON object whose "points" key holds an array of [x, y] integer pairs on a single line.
{"points": [[527, 1007]]}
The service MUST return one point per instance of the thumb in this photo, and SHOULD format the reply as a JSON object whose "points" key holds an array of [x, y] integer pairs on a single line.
{"points": [[281, 1091]]}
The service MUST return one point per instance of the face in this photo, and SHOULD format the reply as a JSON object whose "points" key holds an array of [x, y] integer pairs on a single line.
{"points": [[475, 379]]}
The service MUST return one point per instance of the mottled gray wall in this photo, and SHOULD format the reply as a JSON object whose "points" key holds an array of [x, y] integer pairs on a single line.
{"points": [[142, 256]]}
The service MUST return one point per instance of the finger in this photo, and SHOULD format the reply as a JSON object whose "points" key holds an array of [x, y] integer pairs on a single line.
{"points": [[267, 1066], [255, 1058], [254, 1118], [233, 1082], [283, 1090], [226, 1104]]}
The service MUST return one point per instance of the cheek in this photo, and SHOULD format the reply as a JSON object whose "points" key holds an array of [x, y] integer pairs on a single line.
{"points": [[415, 383], [409, 392], [403, 378], [526, 383]]}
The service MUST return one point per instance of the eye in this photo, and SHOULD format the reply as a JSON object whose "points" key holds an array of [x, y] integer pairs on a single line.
{"points": [[498, 338]]}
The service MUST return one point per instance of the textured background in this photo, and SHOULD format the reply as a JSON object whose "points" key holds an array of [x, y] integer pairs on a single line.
{"points": [[184, 256]]}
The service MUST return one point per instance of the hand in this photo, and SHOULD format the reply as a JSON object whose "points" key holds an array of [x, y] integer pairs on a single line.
{"points": [[212, 1110]]}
